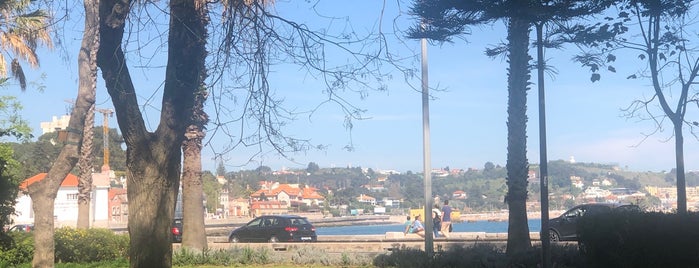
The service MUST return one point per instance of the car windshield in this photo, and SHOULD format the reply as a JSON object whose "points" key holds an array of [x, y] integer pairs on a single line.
{"points": [[255, 222]]}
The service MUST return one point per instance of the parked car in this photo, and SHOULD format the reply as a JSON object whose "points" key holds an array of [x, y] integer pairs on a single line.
{"points": [[21, 228], [275, 228], [564, 227], [176, 230]]}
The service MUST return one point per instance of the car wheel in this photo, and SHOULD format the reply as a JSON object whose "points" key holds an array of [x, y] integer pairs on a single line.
{"points": [[553, 236], [273, 239], [233, 239]]}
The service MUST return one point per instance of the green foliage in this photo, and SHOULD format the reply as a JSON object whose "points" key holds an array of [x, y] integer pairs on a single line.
{"points": [[212, 190], [9, 186], [312, 167], [89, 245], [640, 239], [37, 157], [184, 256], [478, 255], [19, 249]]}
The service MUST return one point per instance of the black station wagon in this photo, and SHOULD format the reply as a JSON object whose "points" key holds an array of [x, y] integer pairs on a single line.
{"points": [[275, 228], [564, 227]]}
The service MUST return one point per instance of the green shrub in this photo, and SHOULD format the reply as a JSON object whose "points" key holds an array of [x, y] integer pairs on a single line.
{"points": [[19, 249], [89, 245], [478, 255], [183, 256], [640, 240]]}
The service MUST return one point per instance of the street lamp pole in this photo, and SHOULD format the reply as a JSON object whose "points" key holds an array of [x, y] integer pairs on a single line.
{"points": [[427, 169]]}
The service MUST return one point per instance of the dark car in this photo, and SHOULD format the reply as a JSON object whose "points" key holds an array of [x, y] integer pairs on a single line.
{"points": [[564, 227], [176, 230], [21, 228], [275, 228]]}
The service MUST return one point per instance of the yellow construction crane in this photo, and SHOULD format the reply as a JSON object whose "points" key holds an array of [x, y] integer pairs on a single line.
{"points": [[105, 134]]}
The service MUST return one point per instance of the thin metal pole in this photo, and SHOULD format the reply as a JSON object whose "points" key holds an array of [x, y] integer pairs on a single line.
{"points": [[427, 218], [543, 159]]}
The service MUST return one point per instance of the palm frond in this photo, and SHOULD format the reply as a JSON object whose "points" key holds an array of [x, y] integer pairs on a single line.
{"points": [[18, 73], [3, 69]]}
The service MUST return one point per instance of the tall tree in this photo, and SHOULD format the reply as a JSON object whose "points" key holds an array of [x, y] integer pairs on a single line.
{"points": [[447, 18], [658, 33], [194, 236], [43, 193], [248, 32], [153, 163]]}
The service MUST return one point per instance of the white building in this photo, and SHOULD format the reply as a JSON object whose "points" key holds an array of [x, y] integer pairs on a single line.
{"points": [[66, 202], [56, 123]]}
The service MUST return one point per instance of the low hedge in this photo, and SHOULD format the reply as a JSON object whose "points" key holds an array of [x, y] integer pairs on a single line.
{"points": [[18, 249], [90, 245]]}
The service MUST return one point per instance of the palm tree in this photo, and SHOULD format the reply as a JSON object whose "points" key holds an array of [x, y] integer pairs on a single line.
{"points": [[85, 169], [20, 34], [194, 236]]}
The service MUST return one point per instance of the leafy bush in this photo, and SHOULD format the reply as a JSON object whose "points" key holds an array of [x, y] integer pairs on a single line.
{"points": [[89, 245], [640, 240], [18, 250]]}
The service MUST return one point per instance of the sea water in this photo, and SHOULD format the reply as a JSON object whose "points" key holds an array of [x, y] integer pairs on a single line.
{"points": [[476, 226]]}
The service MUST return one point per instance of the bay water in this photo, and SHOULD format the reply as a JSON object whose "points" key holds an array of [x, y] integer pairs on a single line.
{"points": [[475, 226]]}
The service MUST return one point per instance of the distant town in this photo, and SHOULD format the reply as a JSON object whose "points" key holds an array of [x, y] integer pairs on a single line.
{"points": [[332, 192]]}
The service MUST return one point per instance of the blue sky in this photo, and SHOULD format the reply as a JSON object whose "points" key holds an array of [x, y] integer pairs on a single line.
{"points": [[467, 116]]}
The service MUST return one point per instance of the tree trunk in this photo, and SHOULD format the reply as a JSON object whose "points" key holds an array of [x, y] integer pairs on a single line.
{"points": [[43, 228], [43, 193], [153, 159], [85, 163], [679, 162], [194, 236], [517, 165]]}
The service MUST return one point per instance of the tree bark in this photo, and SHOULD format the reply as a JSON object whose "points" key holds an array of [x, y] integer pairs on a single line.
{"points": [[43, 193], [518, 239], [154, 159], [679, 163], [194, 236], [86, 156]]}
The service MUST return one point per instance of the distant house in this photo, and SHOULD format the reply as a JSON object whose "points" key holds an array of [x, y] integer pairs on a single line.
{"points": [[118, 205], [258, 208], [239, 207], [366, 199], [391, 202], [440, 173], [577, 182], [532, 177], [375, 187], [311, 197], [66, 202], [459, 195], [289, 195]]}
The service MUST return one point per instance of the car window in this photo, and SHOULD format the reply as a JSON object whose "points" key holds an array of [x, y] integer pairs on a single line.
{"points": [[255, 222], [628, 208], [274, 221], [576, 212], [597, 209]]}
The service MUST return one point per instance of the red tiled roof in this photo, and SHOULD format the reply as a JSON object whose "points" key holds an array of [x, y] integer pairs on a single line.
{"points": [[70, 180], [115, 191]]}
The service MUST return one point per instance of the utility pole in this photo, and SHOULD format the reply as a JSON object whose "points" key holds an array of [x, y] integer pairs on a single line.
{"points": [[105, 136]]}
